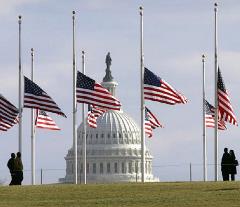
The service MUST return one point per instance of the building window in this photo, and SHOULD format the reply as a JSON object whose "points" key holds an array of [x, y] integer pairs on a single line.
{"points": [[101, 168], [94, 168], [108, 135], [108, 168], [102, 135], [130, 167], [120, 136], [123, 167], [87, 167], [115, 167], [96, 135], [81, 168], [114, 135], [72, 168], [136, 167]]}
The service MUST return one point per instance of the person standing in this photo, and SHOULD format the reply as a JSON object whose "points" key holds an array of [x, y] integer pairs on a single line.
{"points": [[233, 165], [19, 169], [11, 167], [225, 165]]}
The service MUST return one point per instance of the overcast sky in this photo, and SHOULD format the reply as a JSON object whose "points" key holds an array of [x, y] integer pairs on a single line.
{"points": [[176, 34]]}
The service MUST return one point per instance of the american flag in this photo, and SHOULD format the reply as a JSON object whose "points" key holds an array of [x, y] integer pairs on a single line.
{"points": [[156, 89], [209, 117], [151, 122], [224, 105], [8, 114], [90, 92], [44, 121], [35, 97], [93, 113]]}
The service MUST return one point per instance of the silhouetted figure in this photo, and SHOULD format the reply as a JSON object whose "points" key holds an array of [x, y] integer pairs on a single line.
{"points": [[11, 167], [225, 165], [233, 165], [19, 169]]}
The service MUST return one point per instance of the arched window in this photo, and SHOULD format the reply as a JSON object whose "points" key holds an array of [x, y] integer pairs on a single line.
{"points": [[108, 168], [123, 167], [115, 167], [130, 167], [101, 168], [94, 168], [87, 168]]}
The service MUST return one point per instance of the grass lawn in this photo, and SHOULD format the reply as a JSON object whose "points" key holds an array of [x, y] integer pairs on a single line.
{"points": [[179, 194]]}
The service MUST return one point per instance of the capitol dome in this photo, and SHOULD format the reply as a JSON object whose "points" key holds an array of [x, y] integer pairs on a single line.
{"points": [[113, 149]]}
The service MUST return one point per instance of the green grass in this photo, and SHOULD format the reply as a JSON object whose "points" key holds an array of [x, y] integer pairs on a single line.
{"points": [[178, 194]]}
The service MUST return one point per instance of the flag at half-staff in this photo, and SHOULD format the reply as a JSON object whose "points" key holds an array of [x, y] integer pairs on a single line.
{"points": [[151, 122], [8, 114], [90, 92], [209, 117], [157, 89], [93, 113], [44, 121], [35, 97], [224, 105]]}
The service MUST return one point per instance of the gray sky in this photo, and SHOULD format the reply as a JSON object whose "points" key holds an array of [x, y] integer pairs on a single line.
{"points": [[176, 33]]}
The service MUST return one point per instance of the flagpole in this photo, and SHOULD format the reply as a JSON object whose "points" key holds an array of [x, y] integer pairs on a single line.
{"points": [[84, 128], [74, 104], [142, 97], [32, 127], [204, 125], [20, 88], [216, 96]]}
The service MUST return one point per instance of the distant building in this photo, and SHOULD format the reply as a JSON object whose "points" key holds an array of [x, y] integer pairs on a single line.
{"points": [[113, 148]]}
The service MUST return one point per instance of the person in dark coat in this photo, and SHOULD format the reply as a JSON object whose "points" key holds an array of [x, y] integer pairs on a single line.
{"points": [[11, 167], [19, 169], [225, 165], [233, 165]]}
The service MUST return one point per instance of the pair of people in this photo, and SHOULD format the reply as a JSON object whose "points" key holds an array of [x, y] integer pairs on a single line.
{"points": [[229, 165], [15, 167]]}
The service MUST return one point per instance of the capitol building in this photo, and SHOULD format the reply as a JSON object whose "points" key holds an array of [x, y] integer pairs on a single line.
{"points": [[113, 148]]}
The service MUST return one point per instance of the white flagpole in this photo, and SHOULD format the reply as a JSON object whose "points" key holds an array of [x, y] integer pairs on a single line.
{"points": [[216, 96], [84, 129], [20, 89], [32, 127], [142, 97], [204, 125], [74, 105]]}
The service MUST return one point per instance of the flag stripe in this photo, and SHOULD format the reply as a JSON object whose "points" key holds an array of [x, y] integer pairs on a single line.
{"points": [[44, 121], [93, 113], [8, 114], [224, 105], [151, 122], [90, 92], [35, 97], [156, 89]]}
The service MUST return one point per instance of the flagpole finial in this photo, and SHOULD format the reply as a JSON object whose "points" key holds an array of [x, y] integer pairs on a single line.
{"points": [[32, 51], [73, 12], [215, 6], [83, 52], [19, 19], [141, 10], [203, 57]]}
